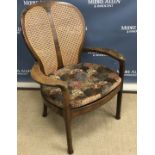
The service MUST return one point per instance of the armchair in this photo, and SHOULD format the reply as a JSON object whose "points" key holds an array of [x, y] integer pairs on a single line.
{"points": [[54, 33]]}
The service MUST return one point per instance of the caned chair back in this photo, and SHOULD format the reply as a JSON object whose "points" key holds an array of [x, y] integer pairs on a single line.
{"points": [[54, 32]]}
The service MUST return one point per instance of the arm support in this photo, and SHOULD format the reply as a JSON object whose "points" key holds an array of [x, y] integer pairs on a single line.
{"points": [[114, 54], [41, 78]]}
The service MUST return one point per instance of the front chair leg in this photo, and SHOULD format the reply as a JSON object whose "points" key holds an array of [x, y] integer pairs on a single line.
{"points": [[67, 119], [119, 102], [44, 114]]}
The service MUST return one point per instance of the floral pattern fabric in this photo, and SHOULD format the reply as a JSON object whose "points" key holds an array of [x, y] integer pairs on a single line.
{"points": [[86, 82]]}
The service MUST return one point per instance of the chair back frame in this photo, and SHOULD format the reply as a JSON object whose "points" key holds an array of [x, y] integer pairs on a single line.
{"points": [[48, 8]]}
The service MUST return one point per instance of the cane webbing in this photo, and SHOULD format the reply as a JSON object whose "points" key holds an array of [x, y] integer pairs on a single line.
{"points": [[38, 31], [68, 29]]}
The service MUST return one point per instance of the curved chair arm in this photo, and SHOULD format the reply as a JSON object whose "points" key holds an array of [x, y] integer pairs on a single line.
{"points": [[41, 78], [114, 54]]}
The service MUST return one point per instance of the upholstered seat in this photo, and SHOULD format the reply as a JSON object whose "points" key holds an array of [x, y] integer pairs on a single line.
{"points": [[87, 83]]}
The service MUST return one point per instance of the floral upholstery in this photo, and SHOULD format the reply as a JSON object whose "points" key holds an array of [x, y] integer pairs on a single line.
{"points": [[87, 83]]}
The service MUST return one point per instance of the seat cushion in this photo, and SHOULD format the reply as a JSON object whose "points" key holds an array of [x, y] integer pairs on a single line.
{"points": [[86, 82]]}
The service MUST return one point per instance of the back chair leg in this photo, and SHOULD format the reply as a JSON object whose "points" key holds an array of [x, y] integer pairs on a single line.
{"points": [[67, 119], [119, 102], [44, 114]]}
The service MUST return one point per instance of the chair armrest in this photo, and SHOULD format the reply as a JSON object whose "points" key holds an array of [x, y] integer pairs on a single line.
{"points": [[112, 53], [41, 78]]}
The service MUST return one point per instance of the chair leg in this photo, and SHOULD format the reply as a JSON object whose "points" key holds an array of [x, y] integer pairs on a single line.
{"points": [[119, 102], [68, 132], [44, 114]]}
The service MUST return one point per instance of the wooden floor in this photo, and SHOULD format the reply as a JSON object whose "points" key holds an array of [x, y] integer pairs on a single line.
{"points": [[96, 133]]}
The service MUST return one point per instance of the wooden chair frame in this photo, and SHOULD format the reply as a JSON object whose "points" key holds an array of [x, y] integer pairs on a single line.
{"points": [[67, 112]]}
